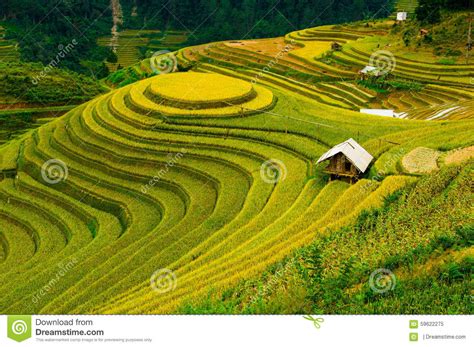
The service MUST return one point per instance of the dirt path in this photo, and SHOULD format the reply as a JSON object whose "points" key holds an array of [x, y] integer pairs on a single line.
{"points": [[117, 19]]}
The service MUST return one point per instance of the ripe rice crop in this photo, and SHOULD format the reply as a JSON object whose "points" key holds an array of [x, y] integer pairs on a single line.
{"points": [[459, 155], [211, 174], [421, 160]]}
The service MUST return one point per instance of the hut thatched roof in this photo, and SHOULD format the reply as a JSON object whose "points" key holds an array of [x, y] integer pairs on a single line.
{"points": [[356, 154]]}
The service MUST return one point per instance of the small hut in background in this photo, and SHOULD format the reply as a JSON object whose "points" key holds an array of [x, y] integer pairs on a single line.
{"points": [[378, 112], [336, 46], [347, 161], [401, 16], [370, 71], [423, 32]]}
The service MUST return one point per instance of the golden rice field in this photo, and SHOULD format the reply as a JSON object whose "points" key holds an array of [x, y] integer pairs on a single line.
{"points": [[131, 45], [421, 160], [305, 61], [459, 155], [161, 191]]}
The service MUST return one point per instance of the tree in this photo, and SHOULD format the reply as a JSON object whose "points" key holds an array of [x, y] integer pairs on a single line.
{"points": [[459, 4], [429, 11], [112, 56]]}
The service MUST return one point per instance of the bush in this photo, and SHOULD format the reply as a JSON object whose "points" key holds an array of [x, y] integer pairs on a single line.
{"points": [[405, 85], [447, 61], [31, 83]]}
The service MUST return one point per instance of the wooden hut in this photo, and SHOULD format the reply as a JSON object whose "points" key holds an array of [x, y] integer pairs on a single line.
{"points": [[336, 46], [370, 72], [423, 32], [347, 161]]}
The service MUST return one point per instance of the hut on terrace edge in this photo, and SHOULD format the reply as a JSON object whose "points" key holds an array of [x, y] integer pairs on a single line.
{"points": [[347, 161]]}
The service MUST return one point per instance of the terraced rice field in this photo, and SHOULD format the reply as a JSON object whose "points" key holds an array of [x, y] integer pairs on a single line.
{"points": [[304, 62], [454, 75], [434, 102], [132, 45], [421, 160], [15, 122], [407, 5], [8, 48], [285, 71], [459, 155], [204, 174], [161, 191]]}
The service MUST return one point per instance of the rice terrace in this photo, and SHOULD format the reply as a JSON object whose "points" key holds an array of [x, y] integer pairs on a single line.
{"points": [[321, 167]]}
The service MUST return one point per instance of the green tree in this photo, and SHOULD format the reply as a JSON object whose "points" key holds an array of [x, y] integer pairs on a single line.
{"points": [[429, 11]]}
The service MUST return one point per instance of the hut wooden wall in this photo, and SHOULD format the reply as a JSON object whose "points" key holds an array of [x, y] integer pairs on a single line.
{"points": [[337, 164]]}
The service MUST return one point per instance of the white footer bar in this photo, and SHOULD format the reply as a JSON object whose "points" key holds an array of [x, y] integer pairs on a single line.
{"points": [[239, 331]]}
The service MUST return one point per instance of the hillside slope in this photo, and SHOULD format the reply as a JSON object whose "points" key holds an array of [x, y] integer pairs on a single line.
{"points": [[421, 79], [429, 259], [151, 196]]}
